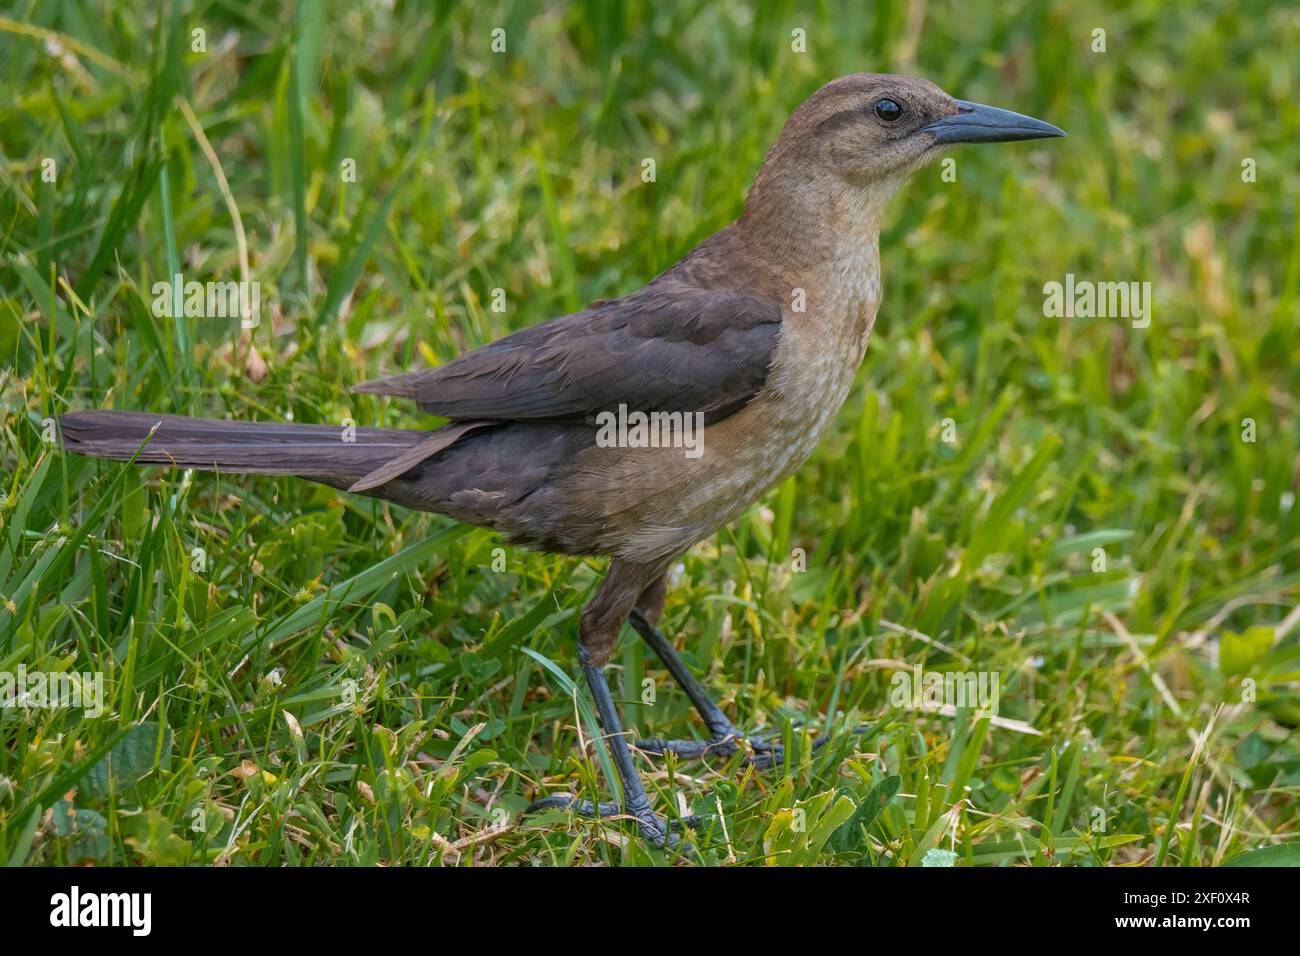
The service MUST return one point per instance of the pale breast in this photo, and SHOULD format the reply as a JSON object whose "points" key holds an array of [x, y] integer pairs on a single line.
{"points": [[817, 363], [757, 448]]}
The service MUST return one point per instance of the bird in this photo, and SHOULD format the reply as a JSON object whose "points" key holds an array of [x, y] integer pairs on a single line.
{"points": [[756, 335]]}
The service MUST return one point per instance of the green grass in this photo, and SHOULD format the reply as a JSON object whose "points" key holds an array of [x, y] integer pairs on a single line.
{"points": [[331, 680]]}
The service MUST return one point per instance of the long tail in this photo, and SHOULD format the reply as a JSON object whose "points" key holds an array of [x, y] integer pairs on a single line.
{"points": [[324, 453]]}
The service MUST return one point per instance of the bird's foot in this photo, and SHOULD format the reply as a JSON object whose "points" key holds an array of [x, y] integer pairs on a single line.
{"points": [[654, 828], [759, 754]]}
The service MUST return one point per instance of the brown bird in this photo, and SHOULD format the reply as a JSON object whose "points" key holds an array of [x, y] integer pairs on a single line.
{"points": [[756, 333]]}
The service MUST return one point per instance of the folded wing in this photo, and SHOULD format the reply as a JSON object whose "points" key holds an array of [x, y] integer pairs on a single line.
{"points": [[668, 347]]}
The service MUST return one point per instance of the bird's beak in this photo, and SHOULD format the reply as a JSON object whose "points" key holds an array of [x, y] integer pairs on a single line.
{"points": [[976, 123]]}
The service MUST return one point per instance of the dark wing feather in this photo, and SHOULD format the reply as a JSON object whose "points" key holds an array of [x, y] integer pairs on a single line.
{"points": [[668, 347]]}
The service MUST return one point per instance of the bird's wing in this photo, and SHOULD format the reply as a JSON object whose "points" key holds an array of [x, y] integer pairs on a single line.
{"points": [[667, 347]]}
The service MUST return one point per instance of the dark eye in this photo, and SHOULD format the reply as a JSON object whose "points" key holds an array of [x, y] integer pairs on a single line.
{"points": [[888, 110]]}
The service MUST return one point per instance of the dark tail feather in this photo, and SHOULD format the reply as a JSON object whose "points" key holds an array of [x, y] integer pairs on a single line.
{"points": [[317, 452]]}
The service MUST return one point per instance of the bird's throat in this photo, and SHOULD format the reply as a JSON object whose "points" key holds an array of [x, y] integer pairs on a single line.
{"points": [[806, 223]]}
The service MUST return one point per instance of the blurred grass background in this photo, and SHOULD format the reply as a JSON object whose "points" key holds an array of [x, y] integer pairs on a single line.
{"points": [[281, 696]]}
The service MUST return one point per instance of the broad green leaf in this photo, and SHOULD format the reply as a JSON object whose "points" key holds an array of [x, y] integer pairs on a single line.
{"points": [[1283, 854], [135, 755]]}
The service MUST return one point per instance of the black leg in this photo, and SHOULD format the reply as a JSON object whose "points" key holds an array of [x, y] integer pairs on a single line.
{"points": [[717, 722], [635, 802], [726, 739]]}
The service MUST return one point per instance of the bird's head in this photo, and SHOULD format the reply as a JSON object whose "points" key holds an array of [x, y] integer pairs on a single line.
{"points": [[844, 151], [870, 128]]}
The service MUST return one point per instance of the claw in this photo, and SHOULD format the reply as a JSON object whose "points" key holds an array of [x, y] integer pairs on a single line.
{"points": [[761, 755], [654, 828], [583, 808]]}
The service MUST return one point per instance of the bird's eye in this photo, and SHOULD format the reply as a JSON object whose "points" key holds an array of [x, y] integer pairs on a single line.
{"points": [[888, 110]]}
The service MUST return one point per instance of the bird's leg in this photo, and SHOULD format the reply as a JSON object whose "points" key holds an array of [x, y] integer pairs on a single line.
{"points": [[649, 609], [718, 723], [635, 802], [601, 620], [726, 739]]}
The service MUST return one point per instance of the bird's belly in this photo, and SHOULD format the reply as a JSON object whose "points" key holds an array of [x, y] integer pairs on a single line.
{"points": [[657, 502], [787, 429], [816, 370], [682, 500]]}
